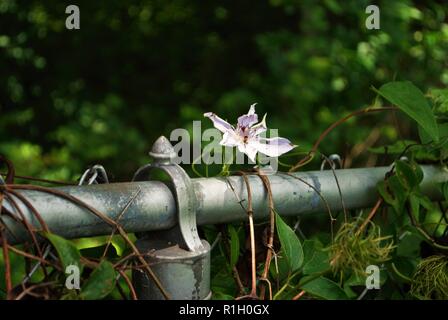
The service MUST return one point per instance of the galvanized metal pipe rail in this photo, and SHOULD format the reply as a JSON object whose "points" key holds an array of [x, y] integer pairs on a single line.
{"points": [[218, 200]]}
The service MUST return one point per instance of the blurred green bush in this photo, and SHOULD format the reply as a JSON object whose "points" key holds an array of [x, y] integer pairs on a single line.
{"points": [[138, 69]]}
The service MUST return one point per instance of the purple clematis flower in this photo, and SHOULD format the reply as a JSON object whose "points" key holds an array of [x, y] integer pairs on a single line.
{"points": [[246, 135]]}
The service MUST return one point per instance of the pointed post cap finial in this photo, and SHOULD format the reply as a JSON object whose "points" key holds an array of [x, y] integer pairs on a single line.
{"points": [[162, 149]]}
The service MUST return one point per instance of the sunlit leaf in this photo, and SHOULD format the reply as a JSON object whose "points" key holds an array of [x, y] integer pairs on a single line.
{"points": [[291, 246], [411, 101]]}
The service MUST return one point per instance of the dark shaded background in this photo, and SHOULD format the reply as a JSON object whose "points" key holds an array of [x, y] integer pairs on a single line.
{"points": [[138, 69]]}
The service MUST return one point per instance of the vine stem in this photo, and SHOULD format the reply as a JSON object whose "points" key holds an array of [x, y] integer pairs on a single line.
{"points": [[7, 263], [250, 213], [369, 217], [36, 286], [106, 219], [270, 244], [299, 295], [132, 292], [313, 150]]}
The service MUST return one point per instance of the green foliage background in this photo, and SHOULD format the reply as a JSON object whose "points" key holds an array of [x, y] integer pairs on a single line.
{"points": [[138, 69]]}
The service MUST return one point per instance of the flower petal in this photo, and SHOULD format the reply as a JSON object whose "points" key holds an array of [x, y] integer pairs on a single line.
{"points": [[272, 147], [219, 123], [252, 109], [230, 139], [249, 119], [258, 128]]}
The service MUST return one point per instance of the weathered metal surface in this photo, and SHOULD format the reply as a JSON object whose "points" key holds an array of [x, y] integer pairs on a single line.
{"points": [[155, 207], [185, 274], [292, 196], [177, 256], [186, 202]]}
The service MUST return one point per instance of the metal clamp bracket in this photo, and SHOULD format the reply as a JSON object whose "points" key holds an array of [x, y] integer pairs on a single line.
{"points": [[178, 257], [163, 152]]}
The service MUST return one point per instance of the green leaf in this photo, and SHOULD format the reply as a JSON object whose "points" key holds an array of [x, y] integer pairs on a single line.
{"points": [[119, 244], [234, 246], [443, 135], [414, 201], [18, 270], [434, 223], [385, 193], [411, 101], [355, 280], [440, 99], [393, 193], [221, 280], [409, 246], [222, 296], [405, 266], [425, 138], [279, 268], [71, 295], [316, 260], [325, 288], [443, 130], [426, 203], [409, 176], [444, 189], [291, 246], [67, 251], [93, 242], [417, 171], [100, 283]]}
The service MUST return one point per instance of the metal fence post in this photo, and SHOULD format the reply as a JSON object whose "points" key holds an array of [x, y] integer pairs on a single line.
{"points": [[178, 257]]}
